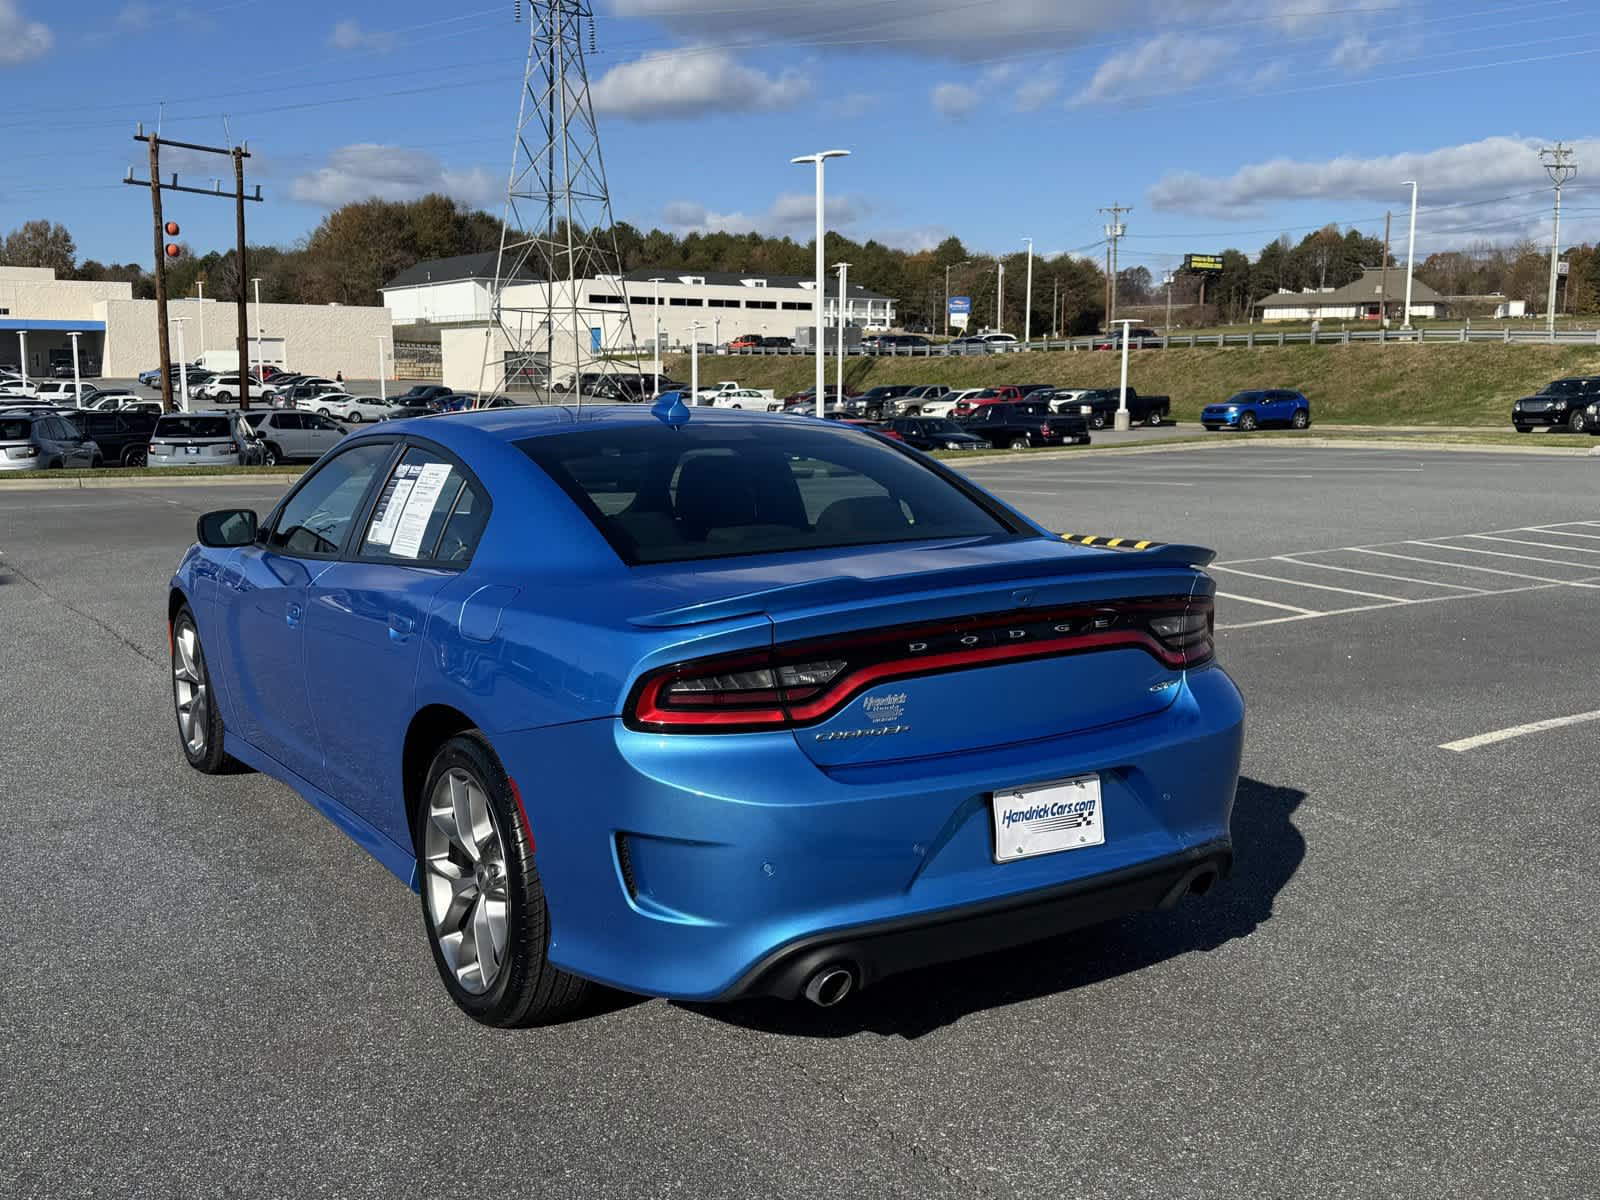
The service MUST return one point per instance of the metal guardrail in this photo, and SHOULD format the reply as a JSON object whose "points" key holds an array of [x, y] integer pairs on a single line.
{"points": [[1252, 340]]}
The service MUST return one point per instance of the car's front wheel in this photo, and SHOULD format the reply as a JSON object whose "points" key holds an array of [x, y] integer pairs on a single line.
{"points": [[1301, 419], [199, 722], [482, 902], [1247, 422]]}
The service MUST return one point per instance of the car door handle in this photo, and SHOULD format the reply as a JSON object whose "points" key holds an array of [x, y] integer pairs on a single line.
{"points": [[400, 628], [292, 614]]}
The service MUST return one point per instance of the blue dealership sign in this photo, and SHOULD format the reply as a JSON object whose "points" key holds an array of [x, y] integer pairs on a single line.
{"points": [[960, 304]]}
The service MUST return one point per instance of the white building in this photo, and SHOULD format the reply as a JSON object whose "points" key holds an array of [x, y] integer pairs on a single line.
{"points": [[725, 304], [1361, 300], [118, 335]]}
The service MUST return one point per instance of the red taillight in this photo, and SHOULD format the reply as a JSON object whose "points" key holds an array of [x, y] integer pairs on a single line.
{"points": [[1044, 430], [807, 682]]}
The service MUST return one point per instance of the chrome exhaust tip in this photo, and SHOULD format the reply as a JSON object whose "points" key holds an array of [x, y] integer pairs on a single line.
{"points": [[830, 985]]}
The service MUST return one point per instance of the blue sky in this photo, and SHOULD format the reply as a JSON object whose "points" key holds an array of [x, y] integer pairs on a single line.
{"points": [[1222, 122]]}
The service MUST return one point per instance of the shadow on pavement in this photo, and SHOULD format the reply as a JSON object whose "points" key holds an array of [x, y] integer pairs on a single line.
{"points": [[1268, 850]]}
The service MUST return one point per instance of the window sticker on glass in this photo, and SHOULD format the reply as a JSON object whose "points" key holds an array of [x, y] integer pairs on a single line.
{"points": [[386, 514], [418, 508]]}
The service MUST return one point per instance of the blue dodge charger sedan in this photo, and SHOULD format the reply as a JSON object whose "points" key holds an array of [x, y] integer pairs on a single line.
{"points": [[708, 706]]}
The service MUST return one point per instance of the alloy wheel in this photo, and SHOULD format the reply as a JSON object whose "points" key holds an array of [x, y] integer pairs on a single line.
{"points": [[466, 888], [190, 690]]}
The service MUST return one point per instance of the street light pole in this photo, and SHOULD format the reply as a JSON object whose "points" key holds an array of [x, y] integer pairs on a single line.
{"points": [[183, 366], [1124, 421], [261, 367], [694, 362], [1411, 251], [844, 291], [77, 383], [820, 159], [383, 393], [999, 296], [200, 286], [1027, 303], [655, 331], [22, 355]]}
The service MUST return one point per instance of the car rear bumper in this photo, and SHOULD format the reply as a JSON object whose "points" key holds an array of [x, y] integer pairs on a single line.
{"points": [[708, 867]]}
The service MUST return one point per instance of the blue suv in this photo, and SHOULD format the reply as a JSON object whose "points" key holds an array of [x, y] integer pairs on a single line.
{"points": [[1251, 410]]}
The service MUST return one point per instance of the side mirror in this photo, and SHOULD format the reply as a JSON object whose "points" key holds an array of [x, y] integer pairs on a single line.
{"points": [[226, 528]]}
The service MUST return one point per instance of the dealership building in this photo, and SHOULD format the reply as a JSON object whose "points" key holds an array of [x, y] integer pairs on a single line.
{"points": [[455, 297], [117, 335], [1362, 300]]}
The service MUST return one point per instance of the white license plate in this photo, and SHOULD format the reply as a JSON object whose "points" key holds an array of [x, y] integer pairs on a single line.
{"points": [[191, 449], [1065, 815]]}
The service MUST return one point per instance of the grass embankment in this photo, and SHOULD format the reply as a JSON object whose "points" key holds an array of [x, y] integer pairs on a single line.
{"points": [[1356, 385]]}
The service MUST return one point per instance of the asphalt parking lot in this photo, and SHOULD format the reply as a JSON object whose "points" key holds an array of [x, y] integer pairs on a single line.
{"points": [[211, 992]]}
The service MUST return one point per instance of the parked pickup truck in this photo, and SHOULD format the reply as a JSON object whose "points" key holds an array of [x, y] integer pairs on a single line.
{"points": [[1098, 406], [1025, 423]]}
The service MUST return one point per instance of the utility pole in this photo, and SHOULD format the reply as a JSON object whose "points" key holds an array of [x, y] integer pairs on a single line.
{"points": [[1000, 296], [1168, 327], [1559, 166], [163, 340], [1055, 301], [238, 154], [1027, 302], [1115, 230], [1383, 280]]}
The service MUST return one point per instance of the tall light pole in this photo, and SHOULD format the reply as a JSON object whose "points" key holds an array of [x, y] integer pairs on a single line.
{"points": [[200, 287], [22, 355], [844, 275], [1168, 329], [1027, 303], [77, 383], [1558, 166], [1124, 421], [261, 367], [820, 159], [694, 362], [383, 393], [1411, 250], [999, 296], [183, 366], [655, 330], [965, 262]]}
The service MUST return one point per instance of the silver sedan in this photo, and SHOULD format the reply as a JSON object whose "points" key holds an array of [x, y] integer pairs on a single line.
{"points": [[344, 407]]}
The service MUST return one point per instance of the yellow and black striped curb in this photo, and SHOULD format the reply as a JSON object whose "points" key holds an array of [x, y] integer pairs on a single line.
{"points": [[1109, 543]]}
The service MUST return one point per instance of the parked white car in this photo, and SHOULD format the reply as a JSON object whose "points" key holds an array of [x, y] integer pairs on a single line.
{"points": [[63, 391], [748, 398], [355, 409], [942, 406]]}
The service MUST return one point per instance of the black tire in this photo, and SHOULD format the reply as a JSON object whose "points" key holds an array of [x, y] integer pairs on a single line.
{"points": [[1097, 420], [1152, 418], [1523, 428], [527, 990], [225, 397], [1247, 422], [1300, 420], [1017, 443], [208, 758], [272, 455], [354, 418], [322, 412], [135, 456], [1578, 421], [96, 462]]}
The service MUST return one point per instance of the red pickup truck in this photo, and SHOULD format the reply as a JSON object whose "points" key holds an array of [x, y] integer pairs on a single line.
{"points": [[1005, 393]]}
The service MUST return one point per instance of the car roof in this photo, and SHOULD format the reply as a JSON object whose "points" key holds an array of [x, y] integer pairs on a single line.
{"points": [[543, 420]]}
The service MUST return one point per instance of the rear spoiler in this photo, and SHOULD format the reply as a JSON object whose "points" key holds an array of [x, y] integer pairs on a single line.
{"points": [[843, 588]]}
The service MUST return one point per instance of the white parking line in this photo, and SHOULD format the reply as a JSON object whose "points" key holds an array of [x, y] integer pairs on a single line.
{"points": [[1300, 562], [1304, 612], [1489, 537], [1551, 529], [1515, 731], [1321, 587], [1443, 545], [1439, 562]]}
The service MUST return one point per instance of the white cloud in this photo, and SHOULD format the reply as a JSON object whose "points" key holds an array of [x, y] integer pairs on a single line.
{"points": [[1169, 62], [367, 170], [692, 82], [1356, 54], [1449, 174], [954, 101], [793, 214], [348, 35], [21, 40], [852, 107], [135, 18], [1036, 93]]}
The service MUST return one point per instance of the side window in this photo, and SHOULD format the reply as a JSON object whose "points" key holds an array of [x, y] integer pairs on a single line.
{"points": [[316, 518], [427, 511], [287, 421]]}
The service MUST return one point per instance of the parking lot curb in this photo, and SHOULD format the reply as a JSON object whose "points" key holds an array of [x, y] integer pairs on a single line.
{"points": [[146, 481]]}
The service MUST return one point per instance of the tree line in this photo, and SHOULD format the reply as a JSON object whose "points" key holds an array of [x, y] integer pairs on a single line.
{"points": [[355, 249]]}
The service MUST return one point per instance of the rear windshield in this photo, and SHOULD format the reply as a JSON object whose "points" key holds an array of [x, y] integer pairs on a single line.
{"points": [[192, 427], [15, 429], [671, 495]]}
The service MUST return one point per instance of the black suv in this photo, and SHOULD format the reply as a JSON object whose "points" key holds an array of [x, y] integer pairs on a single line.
{"points": [[1559, 402], [123, 437]]}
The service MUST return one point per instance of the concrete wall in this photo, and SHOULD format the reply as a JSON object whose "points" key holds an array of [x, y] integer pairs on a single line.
{"points": [[319, 339], [464, 350], [439, 303], [50, 299]]}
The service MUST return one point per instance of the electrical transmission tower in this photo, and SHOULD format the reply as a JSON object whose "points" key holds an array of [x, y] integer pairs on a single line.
{"points": [[557, 232], [1559, 166]]}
